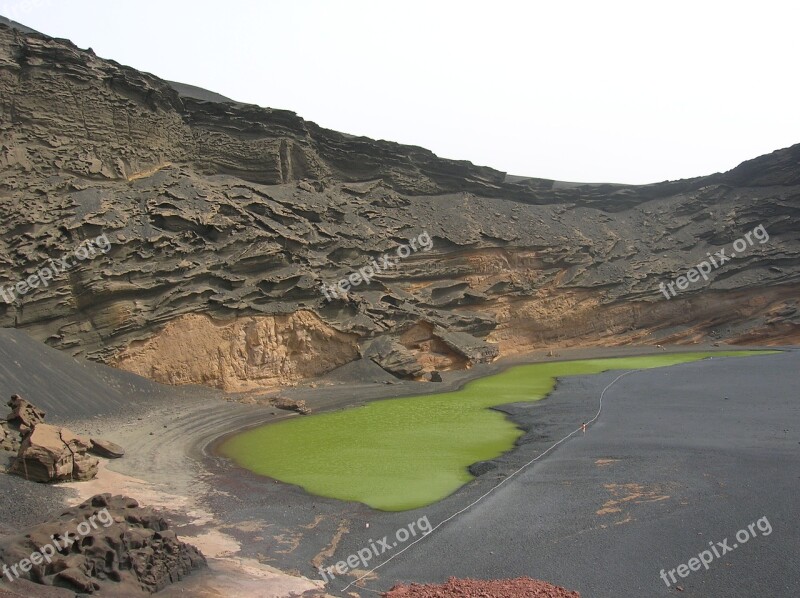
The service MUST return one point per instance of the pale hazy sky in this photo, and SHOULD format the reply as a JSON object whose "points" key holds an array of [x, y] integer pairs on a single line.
{"points": [[594, 90]]}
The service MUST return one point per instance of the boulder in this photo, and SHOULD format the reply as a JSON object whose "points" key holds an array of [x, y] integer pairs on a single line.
{"points": [[298, 406], [394, 358], [53, 454], [106, 448], [482, 467], [474, 349]]}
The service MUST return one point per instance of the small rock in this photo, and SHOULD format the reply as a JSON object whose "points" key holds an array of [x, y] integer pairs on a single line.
{"points": [[23, 414], [106, 448], [305, 186], [291, 405], [482, 467]]}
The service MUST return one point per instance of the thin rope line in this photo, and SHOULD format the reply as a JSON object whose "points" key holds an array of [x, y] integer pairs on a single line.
{"points": [[492, 489]]}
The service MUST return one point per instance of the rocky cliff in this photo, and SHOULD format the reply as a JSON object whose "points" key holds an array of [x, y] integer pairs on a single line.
{"points": [[224, 220]]}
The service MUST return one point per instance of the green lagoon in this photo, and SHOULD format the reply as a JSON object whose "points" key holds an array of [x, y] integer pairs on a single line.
{"points": [[400, 454]]}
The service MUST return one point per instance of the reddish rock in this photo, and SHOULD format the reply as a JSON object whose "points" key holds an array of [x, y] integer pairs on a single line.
{"points": [[521, 587]]}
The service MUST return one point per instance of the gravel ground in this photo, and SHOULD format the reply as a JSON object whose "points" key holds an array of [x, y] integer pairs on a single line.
{"points": [[26, 503]]}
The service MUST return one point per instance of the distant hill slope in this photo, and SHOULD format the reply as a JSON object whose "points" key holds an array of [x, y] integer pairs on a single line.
{"points": [[14, 25], [64, 387], [198, 93], [225, 220], [184, 89]]}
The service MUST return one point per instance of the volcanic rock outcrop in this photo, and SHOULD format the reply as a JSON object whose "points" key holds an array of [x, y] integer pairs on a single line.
{"points": [[108, 543], [226, 219], [46, 453]]}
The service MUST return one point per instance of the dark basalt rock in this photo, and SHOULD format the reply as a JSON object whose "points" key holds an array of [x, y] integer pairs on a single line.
{"points": [[126, 550], [394, 358], [482, 467]]}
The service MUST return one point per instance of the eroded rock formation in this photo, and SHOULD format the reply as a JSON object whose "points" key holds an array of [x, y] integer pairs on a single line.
{"points": [[19, 422], [225, 220], [242, 354], [24, 416], [108, 543]]}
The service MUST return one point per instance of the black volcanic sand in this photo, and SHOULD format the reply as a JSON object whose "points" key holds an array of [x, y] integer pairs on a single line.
{"points": [[552, 533], [680, 457], [671, 431], [85, 396]]}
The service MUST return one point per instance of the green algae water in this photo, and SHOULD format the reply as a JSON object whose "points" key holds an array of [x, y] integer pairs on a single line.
{"points": [[400, 454]]}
